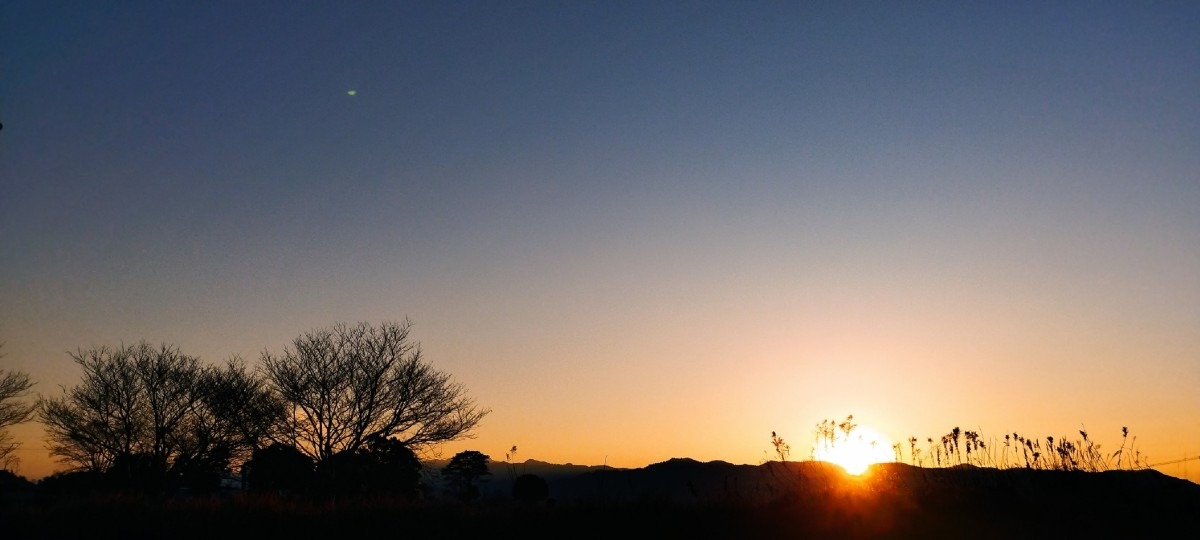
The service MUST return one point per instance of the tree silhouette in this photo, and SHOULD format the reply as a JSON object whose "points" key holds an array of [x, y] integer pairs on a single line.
{"points": [[464, 469], [239, 412], [155, 408], [14, 386], [129, 402], [345, 385]]}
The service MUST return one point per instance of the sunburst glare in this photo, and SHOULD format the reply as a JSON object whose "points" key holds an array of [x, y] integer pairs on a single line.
{"points": [[851, 446]]}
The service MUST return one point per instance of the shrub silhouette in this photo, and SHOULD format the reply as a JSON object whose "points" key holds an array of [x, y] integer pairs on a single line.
{"points": [[530, 488], [200, 474], [71, 484], [137, 473], [278, 468], [384, 467]]}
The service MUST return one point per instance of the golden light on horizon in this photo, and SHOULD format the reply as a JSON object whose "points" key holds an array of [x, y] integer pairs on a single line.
{"points": [[854, 450]]}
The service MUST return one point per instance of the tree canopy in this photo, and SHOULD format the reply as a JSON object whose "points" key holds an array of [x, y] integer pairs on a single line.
{"points": [[156, 407], [464, 469], [346, 385], [14, 386]]}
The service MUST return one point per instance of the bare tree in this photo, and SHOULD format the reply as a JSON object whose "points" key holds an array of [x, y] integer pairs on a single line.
{"points": [[169, 386], [101, 418], [14, 386], [346, 385], [128, 403], [238, 412], [158, 405]]}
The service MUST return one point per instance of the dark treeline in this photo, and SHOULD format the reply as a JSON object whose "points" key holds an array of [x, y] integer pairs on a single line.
{"points": [[327, 438], [679, 498], [344, 410]]}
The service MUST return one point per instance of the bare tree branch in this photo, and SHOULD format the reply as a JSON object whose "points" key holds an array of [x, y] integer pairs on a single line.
{"points": [[346, 385], [14, 387], [158, 403]]}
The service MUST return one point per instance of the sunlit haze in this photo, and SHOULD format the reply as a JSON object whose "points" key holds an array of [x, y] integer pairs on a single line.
{"points": [[633, 230], [856, 450]]}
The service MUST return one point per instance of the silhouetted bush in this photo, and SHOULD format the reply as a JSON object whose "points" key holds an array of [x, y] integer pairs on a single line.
{"points": [[71, 484], [279, 468], [530, 488], [137, 473], [200, 474], [14, 487], [383, 467]]}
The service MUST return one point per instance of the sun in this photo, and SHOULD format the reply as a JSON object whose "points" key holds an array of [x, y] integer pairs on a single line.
{"points": [[856, 450]]}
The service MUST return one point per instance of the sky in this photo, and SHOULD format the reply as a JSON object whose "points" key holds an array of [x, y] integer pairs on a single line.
{"points": [[633, 230]]}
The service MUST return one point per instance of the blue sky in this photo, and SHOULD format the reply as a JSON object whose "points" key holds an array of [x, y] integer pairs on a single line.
{"points": [[591, 210]]}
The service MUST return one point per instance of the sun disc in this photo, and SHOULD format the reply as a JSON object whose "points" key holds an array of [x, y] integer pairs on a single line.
{"points": [[854, 452]]}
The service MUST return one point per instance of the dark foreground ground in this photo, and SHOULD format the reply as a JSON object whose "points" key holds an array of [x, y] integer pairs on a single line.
{"points": [[676, 499]]}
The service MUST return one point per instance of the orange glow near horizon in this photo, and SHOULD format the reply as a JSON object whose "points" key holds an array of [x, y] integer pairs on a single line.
{"points": [[855, 451]]}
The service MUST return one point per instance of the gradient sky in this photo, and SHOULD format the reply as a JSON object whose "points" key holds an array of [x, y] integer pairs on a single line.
{"points": [[634, 230]]}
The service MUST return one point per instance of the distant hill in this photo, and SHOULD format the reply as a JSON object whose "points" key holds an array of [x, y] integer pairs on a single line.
{"points": [[685, 480], [499, 483], [677, 498], [889, 500]]}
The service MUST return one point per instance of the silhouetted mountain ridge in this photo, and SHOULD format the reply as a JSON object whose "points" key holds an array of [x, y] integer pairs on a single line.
{"points": [[679, 498], [686, 480]]}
